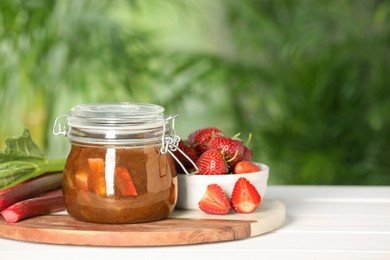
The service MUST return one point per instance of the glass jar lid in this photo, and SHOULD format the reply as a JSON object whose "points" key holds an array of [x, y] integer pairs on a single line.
{"points": [[116, 115], [115, 124]]}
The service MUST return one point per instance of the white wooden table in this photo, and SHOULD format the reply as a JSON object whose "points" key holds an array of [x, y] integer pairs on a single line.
{"points": [[323, 222]]}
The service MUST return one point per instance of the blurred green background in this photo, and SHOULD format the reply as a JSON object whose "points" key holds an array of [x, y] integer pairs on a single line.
{"points": [[309, 79]]}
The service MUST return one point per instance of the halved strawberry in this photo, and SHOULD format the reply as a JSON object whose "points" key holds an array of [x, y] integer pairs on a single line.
{"points": [[245, 198], [189, 151], [200, 138], [245, 167], [232, 149], [211, 162], [214, 201]]}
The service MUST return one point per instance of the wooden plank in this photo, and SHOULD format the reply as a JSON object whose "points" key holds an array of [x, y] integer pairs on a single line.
{"points": [[181, 228], [315, 208], [353, 224], [330, 193]]}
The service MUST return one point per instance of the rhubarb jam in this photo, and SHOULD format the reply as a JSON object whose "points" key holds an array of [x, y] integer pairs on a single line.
{"points": [[110, 185], [120, 168]]}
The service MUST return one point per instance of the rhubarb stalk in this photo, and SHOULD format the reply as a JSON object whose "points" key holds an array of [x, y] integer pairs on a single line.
{"points": [[30, 189], [45, 203]]}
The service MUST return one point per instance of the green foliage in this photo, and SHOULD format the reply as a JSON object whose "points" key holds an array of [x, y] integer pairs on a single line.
{"points": [[22, 160], [309, 79], [56, 54], [22, 148]]}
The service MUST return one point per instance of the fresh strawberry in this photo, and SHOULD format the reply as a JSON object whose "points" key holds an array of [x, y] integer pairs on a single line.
{"points": [[232, 149], [245, 198], [247, 154], [200, 138], [189, 151], [245, 167], [211, 162], [214, 201]]}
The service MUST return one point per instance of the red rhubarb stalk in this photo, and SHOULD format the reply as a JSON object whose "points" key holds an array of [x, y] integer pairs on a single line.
{"points": [[46, 203], [30, 189]]}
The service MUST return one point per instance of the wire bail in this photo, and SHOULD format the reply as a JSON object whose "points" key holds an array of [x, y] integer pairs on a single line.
{"points": [[170, 144], [59, 129]]}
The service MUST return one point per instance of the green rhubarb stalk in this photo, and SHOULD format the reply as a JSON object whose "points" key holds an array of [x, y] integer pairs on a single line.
{"points": [[22, 160]]}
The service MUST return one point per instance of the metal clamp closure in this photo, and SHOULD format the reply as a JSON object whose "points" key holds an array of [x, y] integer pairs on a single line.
{"points": [[58, 128], [170, 144]]}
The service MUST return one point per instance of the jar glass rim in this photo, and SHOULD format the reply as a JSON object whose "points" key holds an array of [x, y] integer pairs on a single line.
{"points": [[112, 115]]}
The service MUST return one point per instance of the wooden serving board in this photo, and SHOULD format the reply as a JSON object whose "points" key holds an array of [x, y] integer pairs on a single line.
{"points": [[182, 227]]}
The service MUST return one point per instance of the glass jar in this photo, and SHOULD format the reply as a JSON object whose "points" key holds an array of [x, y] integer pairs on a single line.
{"points": [[120, 167]]}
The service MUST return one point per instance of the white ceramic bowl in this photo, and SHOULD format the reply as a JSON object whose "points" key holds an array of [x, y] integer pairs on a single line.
{"points": [[193, 187]]}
